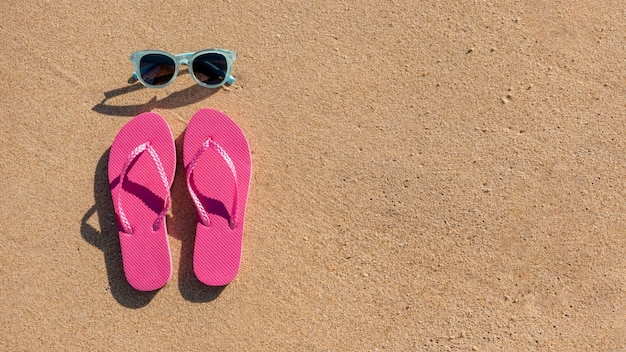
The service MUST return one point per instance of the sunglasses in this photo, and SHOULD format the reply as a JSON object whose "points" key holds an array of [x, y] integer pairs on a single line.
{"points": [[210, 68]]}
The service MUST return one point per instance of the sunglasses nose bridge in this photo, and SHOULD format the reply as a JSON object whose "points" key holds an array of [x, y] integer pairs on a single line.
{"points": [[184, 62]]}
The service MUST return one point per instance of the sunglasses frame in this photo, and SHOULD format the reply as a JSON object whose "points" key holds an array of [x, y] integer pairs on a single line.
{"points": [[185, 59]]}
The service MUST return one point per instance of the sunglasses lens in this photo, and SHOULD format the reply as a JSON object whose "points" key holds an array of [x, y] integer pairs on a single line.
{"points": [[157, 69], [210, 68]]}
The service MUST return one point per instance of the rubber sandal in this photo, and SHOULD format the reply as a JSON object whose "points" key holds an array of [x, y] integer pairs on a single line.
{"points": [[217, 164], [142, 162]]}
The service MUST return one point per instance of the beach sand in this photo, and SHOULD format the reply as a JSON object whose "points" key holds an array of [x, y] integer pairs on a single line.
{"points": [[427, 176]]}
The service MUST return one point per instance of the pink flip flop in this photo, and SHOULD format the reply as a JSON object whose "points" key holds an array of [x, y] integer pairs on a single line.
{"points": [[218, 165], [142, 162]]}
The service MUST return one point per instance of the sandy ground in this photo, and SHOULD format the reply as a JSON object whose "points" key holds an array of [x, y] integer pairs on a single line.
{"points": [[427, 175]]}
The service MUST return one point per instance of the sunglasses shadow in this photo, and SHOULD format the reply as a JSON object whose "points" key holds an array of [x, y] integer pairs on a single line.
{"points": [[187, 96], [182, 226], [107, 240]]}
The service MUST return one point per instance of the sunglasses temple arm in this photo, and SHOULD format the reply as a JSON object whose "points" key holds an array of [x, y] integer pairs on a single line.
{"points": [[144, 70], [230, 80]]}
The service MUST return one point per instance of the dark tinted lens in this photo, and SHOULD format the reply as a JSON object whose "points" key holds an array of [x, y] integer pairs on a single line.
{"points": [[157, 69], [210, 68]]}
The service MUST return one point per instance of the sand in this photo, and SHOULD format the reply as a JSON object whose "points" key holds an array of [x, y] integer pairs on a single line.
{"points": [[427, 175]]}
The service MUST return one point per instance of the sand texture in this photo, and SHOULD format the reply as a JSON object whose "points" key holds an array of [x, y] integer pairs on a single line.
{"points": [[427, 175]]}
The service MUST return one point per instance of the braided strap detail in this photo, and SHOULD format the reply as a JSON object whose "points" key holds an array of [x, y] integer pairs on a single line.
{"points": [[159, 165], [202, 213]]}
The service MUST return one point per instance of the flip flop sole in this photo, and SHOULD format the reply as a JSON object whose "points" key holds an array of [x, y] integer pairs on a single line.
{"points": [[146, 252], [217, 249]]}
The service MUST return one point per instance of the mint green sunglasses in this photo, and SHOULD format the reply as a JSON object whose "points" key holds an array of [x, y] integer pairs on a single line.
{"points": [[210, 68]]}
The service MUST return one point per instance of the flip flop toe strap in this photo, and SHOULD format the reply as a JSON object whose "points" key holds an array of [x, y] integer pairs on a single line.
{"points": [[202, 213], [123, 220]]}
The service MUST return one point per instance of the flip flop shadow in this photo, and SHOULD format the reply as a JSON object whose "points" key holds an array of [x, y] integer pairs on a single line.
{"points": [[107, 240]]}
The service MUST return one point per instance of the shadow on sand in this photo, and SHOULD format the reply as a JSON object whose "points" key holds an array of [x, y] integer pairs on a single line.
{"points": [[181, 225], [187, 96]]}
